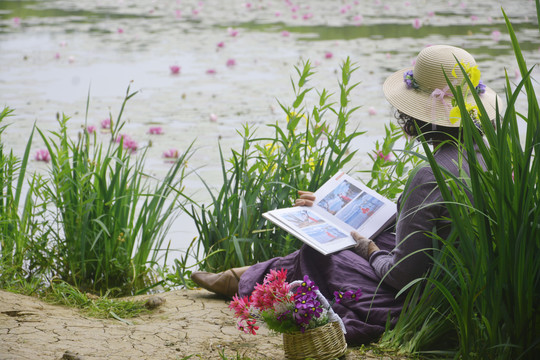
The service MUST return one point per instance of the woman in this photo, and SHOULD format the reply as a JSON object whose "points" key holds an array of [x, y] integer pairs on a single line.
{"points": [[383, 266]]}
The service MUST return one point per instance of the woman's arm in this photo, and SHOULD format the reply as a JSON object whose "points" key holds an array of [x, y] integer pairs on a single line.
{"points": [[418, 216]]}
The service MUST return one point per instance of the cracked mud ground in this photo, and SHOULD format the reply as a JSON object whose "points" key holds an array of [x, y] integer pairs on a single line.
{"points": [[190, 322]]}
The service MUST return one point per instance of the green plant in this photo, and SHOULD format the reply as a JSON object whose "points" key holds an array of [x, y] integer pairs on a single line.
{"points": [[108, 220], [266, 173], [19, 214], [482, 297], [388, 173]]}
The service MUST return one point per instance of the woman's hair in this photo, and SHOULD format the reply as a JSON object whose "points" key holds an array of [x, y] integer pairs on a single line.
{"points": [[431, 132]]}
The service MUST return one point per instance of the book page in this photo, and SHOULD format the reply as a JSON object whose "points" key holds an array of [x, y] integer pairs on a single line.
{"points": [[342, 204]]}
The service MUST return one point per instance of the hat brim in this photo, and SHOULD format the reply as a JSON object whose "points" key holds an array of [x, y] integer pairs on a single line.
{"points": [[422, 106]]}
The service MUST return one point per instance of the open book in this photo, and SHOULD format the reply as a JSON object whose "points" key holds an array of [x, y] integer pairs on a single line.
{"points": [[342, 204]]}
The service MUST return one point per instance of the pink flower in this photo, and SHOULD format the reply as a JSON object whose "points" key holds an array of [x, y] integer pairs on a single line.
{"points": [[43, 155], [211, 71], [328, 55], [16, 21], [90, 129], [213, 117], [178, 14], [474, 18], [307, 16], [431, 13], [128, 142], [496, 35], [277, 14], [381, 155], [248, 5], [120, 30], [417, 24], [106, 124], [231, 62], [372, 111], [171, 154], [358, 19], [175, 69], [195, 12], [232, 32], [155, 130], [57, 55], [285, 33], [220, 44]]}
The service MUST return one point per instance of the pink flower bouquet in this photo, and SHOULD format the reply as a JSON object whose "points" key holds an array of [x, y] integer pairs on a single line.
{"points": [[287, 308]]}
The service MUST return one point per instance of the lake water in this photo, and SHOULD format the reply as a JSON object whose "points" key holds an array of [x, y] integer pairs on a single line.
{"points": [[55, 54]]}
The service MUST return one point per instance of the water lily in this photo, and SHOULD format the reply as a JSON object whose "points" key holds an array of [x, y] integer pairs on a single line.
{"points": [[417, 24], [175, 69], [231, 62], [171, 154], [43, 155], [328, 55], [155, 130], [106, 124]]}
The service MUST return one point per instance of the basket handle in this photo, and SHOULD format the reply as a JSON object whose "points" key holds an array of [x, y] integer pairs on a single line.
{"points": [[332, 316]]}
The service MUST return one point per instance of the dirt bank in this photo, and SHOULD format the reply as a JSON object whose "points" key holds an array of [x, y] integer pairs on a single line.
{"points": [[190, 323]]}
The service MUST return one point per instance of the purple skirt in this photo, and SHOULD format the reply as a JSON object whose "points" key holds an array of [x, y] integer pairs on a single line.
{"points": [[364, 320]]}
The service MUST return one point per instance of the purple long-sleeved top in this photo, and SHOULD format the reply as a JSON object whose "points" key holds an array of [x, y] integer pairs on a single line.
{"points": [[420, 213]]}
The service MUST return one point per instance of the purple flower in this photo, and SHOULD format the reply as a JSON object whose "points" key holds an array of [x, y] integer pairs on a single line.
{"points": [[307, 286], [338, 295], [481, 88], [408, 78]]}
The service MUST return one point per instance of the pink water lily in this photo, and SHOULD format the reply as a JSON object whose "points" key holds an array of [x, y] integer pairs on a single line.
{"points": [[372, 111], [417, 24], [285, 33], [213, 117], [171, 154], [90, 129], [155, 130], [128, 142], [106, 124], [120, 30], [211, 71], [232, 32], [496, 35], [43, 155], [328, 55], [17, 21], [231, 62], [220, 44], [175, 69]]}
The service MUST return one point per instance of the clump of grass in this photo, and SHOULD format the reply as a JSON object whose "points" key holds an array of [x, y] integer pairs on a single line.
{"points": [[109, 221], [104, 307]]}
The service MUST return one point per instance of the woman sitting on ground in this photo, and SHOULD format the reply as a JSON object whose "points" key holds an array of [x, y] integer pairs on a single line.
{"points": [[383, 266]]}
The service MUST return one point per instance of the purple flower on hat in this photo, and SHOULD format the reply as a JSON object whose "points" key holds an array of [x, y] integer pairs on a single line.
{"points": [[481, 88], [409, 80]]}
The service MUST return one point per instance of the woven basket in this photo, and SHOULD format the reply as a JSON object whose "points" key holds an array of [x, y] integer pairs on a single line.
{"points": [[323, 342]]}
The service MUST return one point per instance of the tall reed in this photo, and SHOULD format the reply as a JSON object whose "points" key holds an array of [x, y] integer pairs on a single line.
{"points": [[110, 219], [265, 173], [19, 226], [482, 298]]}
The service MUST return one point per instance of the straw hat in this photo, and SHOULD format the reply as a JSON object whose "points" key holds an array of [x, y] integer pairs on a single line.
{"points": [[429, 99]]}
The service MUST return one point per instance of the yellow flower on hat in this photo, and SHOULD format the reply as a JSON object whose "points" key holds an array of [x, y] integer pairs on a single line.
{"points": [[455, 113], [472, 72]]}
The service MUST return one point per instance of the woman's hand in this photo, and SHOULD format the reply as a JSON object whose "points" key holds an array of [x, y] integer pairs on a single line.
{"points": [[364, 246], [305, 198]]}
